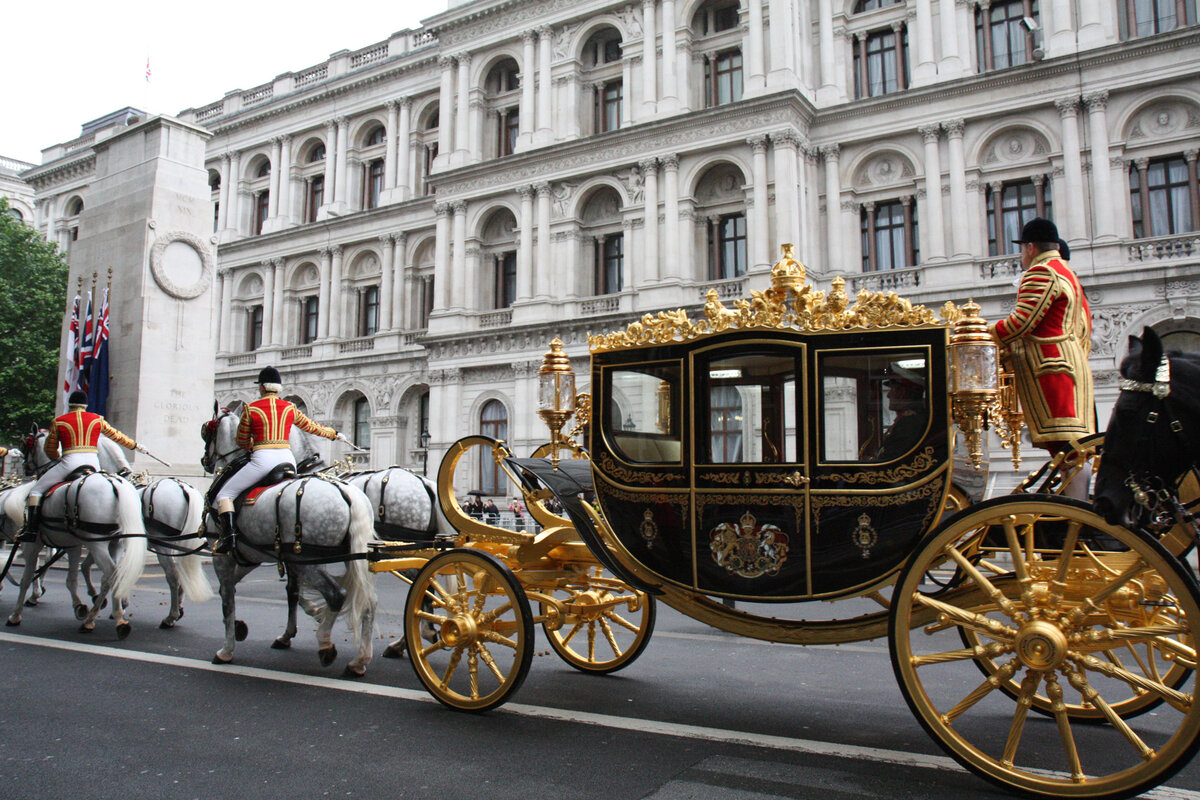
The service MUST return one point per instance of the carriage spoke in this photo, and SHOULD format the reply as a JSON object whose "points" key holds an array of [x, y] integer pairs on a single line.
{"points": [[1024, 701], [1159, 635], [1055, 692], [574, 630], [451, 666], [473, 671], [608, 634], [997, 596], [1019, 555], [990, 651], [428, 617], [970, 619], [991, 684], [491, 663], [1179, 700], [491, 616], [496, 638], [1093, 603], [624, 623], [1080, 682]]}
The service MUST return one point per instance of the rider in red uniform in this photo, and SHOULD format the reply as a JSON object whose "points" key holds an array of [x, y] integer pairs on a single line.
{"points": [[263, 430], [79, 432]]}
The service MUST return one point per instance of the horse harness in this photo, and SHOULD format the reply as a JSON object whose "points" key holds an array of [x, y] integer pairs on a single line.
{"points": [[394, 530], [165, 539]]}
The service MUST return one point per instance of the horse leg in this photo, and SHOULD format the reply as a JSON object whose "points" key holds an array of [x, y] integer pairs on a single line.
{"points": [[228, 575], [108, 568], [86, 568], [29, 552], [325, 614], [74, 557], [366, 628], [176, 611], [293, 600]]}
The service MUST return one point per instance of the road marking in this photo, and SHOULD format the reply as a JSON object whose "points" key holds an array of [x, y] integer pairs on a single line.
{"points": [[655, 727]]}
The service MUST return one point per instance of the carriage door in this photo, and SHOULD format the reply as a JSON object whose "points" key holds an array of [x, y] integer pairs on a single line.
{"points": [[749, 474]]}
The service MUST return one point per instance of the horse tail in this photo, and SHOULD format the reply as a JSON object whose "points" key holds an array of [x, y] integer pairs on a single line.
{"points": [[14, 503], [189, 567], [130, 524], [359, 581]]}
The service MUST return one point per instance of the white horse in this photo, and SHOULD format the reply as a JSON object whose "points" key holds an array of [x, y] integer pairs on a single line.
{"points": [[99, 511], [172, 511], [306, 523]]}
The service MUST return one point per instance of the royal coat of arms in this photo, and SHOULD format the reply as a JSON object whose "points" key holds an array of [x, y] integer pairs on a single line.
{"points": [[747, 548]]}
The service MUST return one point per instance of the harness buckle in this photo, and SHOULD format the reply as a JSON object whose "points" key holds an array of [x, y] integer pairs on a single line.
{"points": [[1152, 417], [1176, 426]]}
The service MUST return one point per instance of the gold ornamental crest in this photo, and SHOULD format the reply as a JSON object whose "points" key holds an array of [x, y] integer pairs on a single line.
{"points": [[747, 548]]}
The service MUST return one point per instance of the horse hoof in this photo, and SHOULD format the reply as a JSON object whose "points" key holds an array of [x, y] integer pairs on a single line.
{"points": [[281, 644], [349, 672], [80, 611], [327, 655], [166, 624], [12, 623], [85, 628], [221, 661], [180, 613], [123, 629], [240, 630], [32, 602], [396, 649]]}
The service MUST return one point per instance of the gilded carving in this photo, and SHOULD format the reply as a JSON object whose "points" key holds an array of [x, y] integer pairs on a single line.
{"points": [[920, 464], [631, 476]]}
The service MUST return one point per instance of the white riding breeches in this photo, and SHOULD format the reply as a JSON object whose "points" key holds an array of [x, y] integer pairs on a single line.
{"points": [[61, 469], [261, 462]]}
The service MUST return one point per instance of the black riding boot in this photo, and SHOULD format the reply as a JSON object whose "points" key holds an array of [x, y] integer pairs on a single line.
{"points": [[33, 521], [227, 541]]}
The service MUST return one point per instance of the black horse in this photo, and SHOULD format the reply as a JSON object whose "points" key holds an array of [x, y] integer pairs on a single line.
{"points": [[1153, 437]]}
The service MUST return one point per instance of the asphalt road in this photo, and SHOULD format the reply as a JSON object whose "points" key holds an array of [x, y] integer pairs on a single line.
{"points": [[701, 714]]}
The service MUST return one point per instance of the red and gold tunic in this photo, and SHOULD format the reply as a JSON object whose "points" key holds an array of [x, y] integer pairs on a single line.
{"points": [[1048, 337], [266, 424], [79, 432]]}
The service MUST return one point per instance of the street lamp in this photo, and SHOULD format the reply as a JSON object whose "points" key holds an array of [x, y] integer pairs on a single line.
{"points": [[425, 452], [556, 395]]}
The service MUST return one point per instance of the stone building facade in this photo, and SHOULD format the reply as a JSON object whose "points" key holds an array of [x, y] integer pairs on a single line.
{"points": [[404, 227]]}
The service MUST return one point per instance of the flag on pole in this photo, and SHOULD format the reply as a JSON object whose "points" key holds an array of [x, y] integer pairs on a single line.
{"points": [[98, 383], [71, 378], [147, 69], [83, 357]]}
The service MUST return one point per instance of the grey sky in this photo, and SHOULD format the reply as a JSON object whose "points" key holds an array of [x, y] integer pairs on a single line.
{"points": [[71, 61]]}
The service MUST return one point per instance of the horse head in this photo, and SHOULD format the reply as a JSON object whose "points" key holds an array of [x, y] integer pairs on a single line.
{"points": [[33, 451], [1155, 417], [220, 440]]}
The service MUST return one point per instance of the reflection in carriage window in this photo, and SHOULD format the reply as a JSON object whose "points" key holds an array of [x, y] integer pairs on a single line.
{"points": [[643, 413], [875, 407], [751, 410]]}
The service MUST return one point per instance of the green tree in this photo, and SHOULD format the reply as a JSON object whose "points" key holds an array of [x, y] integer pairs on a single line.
{"points": [[33, 294]]}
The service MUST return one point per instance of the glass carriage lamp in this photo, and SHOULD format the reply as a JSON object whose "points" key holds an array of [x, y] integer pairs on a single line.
{"points": [[556, 394], [974, 377]]}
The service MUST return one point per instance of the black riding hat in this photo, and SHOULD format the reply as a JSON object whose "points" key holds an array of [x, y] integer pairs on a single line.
{"points": [[77, 399], [269, 375], [1038, 229]]}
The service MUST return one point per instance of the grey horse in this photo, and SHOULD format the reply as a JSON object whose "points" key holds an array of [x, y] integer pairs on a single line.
{"points": [[172, 510]]}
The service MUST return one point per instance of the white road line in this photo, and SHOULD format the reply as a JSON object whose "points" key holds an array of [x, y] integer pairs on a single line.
{"points": [[807, 746]]}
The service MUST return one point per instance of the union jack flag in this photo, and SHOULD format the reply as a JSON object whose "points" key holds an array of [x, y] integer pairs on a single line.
{"points": [[71, 378]]}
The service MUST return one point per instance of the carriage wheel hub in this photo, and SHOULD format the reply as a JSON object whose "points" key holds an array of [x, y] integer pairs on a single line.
{"points": [[459, 630], [1041, 645]]}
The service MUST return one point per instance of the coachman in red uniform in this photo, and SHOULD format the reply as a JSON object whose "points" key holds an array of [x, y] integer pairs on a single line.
{"points": [[264, 429], [79, 432], [1048, 337]]}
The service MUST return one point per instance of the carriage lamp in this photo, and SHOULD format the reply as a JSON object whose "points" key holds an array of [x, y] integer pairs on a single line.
{"points": [[974, 378], [556, 394]]}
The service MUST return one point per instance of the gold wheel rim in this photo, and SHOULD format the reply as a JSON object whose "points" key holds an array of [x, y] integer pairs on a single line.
{"points": [[610, 627]]}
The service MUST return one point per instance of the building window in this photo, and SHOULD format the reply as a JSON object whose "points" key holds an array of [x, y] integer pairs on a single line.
{"points": [[264, 170], [309, 313], [889, 235], [608, 106], [315, 198], [216, 215], [426, 306], [718, 18], [610, 261], [872, 5], [377, 136], [362, 423], [1002, 38], [726, 421], [493, 422], [317, 154], [431, 153], [723, 78], [368, 311], [262, 202], [254, 328], [727, 246], [881, 62], [373, 183], [1019, 202], [509, 130], [506, 278], [1148, 17], [1163, 194]]}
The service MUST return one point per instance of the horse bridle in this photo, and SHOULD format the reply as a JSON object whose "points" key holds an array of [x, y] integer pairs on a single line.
{"points": [[209, 461], [30, 461]]}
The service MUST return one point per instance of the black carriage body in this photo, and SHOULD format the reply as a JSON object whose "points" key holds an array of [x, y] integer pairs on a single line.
{"points": [[772, 465]]}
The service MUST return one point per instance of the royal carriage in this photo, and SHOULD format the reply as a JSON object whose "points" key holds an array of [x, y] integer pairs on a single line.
{"points": [[798, 446]]}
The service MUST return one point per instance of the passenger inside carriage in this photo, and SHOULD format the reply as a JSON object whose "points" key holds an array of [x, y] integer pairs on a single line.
{"points": [[906, 399], [875, 407]]}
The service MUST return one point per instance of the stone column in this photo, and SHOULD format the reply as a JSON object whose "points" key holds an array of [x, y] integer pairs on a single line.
{"points": [[525, 108], [445, 109], [649, 61], [285, 181], [810, 253], [403, 288], [1092, 17], [389, 153], [273, 183], [525, 246], [932, 221], [234, 218], [1103, 207], [829, 83], [462, 118], [925, 69], [458, 263], [545, 131], [226, 343], [330, 159], [759, 228], [337, 326], [323, 311], [343, 151], [951, 65], [670, 58], [852, 253], [1073, 202], [224, 194], [783, 43], [958, 187], [670, 268], [387, 280], [403, 155], [472, 293], [756, 71], [1062, 35], [543, 268], [626, 91], [966, 36], [277, 308], [833, 206], [786, 145], [441, 258], [649, 167]]}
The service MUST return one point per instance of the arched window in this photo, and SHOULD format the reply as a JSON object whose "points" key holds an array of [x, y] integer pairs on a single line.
{"points": [[264, 170], [871, 5], [493, 422], [377, 136], [362, 423], [317, 154], [75, 207]]}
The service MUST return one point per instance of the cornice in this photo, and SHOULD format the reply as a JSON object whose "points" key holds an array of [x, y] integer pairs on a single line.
{"points": [[47, 175]]}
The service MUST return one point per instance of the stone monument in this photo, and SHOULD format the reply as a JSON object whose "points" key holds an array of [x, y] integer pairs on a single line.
{"points": [[149, 217]]}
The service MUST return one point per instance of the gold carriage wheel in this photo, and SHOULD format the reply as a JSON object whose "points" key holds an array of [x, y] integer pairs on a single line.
{"points": [[603, 636], [1048, 619], [481, 625]]}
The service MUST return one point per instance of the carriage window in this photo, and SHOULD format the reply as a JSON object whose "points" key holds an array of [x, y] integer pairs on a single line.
{"points": [[751, 410], [643, 417], [874, 408]]}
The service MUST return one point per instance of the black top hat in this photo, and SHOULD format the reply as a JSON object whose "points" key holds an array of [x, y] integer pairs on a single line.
{"points": [[77, 399], [1064, 249], [1038, 229], [898, 375], [269, 375]]}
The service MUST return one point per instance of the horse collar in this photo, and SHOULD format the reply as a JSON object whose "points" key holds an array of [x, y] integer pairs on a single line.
{"points": [[1160, 388]]}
